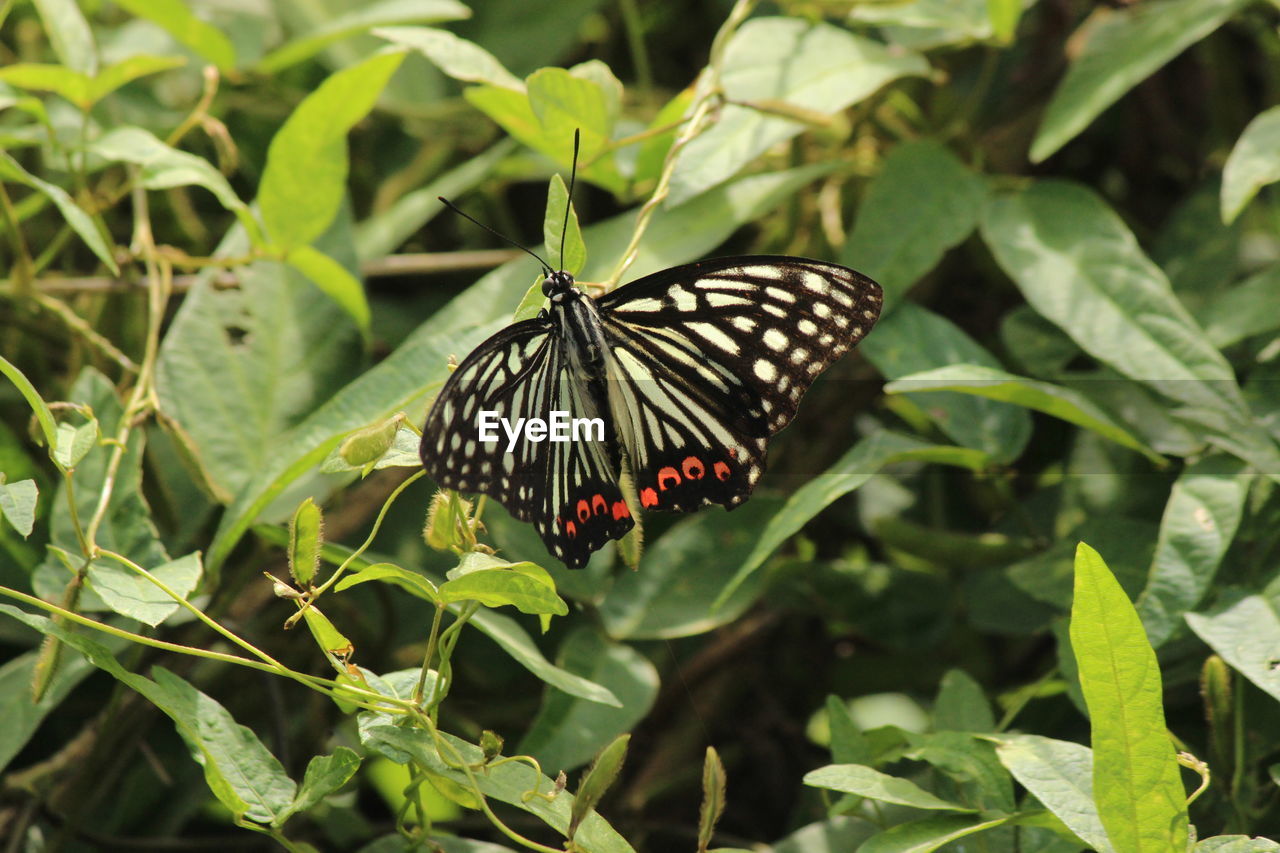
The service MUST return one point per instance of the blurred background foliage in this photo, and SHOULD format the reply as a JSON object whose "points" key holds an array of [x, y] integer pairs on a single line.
{"points": [[223, 253]]}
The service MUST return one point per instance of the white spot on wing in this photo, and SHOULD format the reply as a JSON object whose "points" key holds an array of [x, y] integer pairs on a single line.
{"points": [[775, 340], [764, 370]]}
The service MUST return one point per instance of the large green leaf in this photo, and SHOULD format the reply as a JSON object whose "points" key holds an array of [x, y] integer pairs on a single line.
{"points": [[568, 731], [1060, 774], [132, 595], [245, 777], [874, 785], [305, 177], [1119, 49], [913, 339], [1254, 163], [80, 222], [419, 366], [853, 469], [238, 367], [1032, 394], [1136, 782], [813, 66], [1245, 632], [1200, 520], [923, 202]]}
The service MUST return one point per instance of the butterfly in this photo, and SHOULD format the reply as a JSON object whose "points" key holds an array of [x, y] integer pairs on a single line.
{"points": [[689, 370]]}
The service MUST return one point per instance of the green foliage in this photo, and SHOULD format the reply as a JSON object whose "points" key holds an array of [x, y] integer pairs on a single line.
{"points": [[1015, 563]]}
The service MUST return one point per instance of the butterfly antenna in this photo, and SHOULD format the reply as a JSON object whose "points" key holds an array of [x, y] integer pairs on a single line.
{"points": [[568, 205], [546, 267]]}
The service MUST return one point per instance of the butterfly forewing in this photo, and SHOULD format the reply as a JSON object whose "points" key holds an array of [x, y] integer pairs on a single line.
{"points": [[568, 490], [710, 359]]}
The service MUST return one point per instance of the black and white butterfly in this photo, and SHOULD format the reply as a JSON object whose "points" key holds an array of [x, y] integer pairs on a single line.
{"points": [[691, 369]]}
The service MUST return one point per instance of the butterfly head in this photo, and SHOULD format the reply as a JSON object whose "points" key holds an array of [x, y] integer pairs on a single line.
{"points": [[558, 285]]}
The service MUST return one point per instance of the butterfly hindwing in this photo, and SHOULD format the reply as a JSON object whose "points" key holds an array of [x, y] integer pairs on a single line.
{"points": [[567, 489], [711, 359]]}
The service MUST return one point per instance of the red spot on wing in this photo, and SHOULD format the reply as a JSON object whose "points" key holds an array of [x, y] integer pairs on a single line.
{"points": [[668, 474], [620, 510], [722, 470], [584, 511], [599, 505], [692, 468], [571, 529], [648, 497]]}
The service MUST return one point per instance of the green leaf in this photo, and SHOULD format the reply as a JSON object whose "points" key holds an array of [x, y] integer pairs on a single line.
{"points": [[1004, 15], [1060, 775], [74, 443], [41, 77], [305, 536], [923, 24], [1120, 49], [524, 586], [923, 202], [928, 834], [1044, 397], [1244, 310], [132, 595], [713, 790], [176, 18], [305, 177], [44, 417], [69, 34], [240, 366], [1199, 523], [597, 781], [326, 634], [1080, 267], [574, 255], [961, 705], [683, 571], [460, 59], [358, 20], [1237, 844], [508, 782], [242, 774], [532, 303], [970, 761], [164, 167], [18, 504], [334, 280], [813, 66], [126, 71], [874, 785], [515, 641], [853, 469], [325, 774], [418, 368], [913, 339], [80, 222], [568, 731], [1245, 632], [1254, 162], [411, 582], [1136, 781]]}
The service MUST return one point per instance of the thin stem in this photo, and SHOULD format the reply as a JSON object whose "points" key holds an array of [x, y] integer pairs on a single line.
{"points": [[431, 653], [634, 26], [364, 546]]}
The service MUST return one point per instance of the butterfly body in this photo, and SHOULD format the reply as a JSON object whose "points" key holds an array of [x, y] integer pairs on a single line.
{"points": [[690, 370]]}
